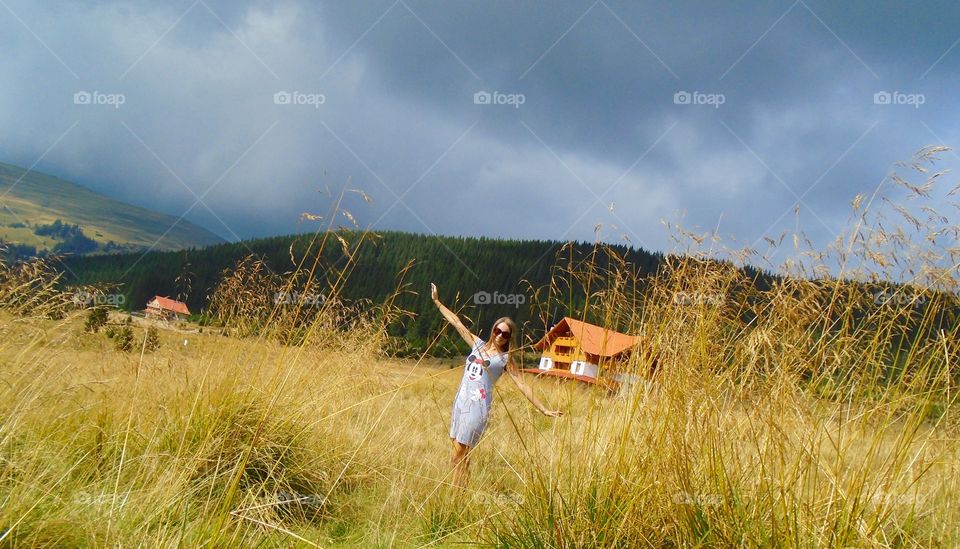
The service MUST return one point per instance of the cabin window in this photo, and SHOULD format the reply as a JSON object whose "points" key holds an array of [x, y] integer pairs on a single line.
{"points": [[583, 368]]}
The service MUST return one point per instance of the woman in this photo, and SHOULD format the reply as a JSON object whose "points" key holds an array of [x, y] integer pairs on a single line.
{"points": [[485, 363]]}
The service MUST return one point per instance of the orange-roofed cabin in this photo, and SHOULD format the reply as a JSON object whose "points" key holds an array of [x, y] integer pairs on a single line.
{"points": [[579, 350], [164, 308]]}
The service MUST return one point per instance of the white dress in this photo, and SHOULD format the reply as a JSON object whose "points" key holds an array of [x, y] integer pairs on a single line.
{"points": [[471, 407]]}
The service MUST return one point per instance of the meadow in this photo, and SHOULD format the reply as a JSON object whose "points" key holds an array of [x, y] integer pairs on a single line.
{"points": [[819, 411]]}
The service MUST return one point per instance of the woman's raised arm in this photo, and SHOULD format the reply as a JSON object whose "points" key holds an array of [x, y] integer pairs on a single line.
{"points": [[515, 374], [452, 318]]}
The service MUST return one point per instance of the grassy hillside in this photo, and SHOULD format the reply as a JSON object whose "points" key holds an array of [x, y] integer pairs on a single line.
{"points": [[518, 272], [39, 199], [462, 267], [791, 414], [759, 434]]}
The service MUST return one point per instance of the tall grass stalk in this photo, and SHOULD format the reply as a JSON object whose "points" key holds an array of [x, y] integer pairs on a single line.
{"points": [[816, 407]]}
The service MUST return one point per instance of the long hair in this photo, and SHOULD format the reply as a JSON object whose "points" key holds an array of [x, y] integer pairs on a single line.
{"points": [[513, 334]]}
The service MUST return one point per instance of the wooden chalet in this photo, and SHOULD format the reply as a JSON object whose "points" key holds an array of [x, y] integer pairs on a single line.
{"points": [[164, 308], [579, 350]]}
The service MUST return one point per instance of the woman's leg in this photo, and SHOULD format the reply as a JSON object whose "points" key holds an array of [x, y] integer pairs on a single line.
{"points": [[461, 463]]}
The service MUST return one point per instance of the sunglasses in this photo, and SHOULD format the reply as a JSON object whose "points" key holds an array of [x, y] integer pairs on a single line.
{"points": [[498, 331]]}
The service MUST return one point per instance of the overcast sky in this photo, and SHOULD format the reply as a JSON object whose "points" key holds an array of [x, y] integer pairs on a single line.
{"points": [[235, 114]]}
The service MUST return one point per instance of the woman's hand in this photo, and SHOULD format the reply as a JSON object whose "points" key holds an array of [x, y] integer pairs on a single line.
{"points": [[452, 318], [552, 413]]}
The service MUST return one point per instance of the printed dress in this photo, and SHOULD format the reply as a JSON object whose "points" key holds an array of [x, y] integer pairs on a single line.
{"points": [[471, 407]]}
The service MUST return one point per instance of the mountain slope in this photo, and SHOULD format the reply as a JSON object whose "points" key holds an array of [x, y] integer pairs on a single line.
{"points": [[40, 199], [491, 278]]}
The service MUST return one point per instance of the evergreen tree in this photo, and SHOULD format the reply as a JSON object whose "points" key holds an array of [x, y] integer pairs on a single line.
{"points": [[96, 319]]}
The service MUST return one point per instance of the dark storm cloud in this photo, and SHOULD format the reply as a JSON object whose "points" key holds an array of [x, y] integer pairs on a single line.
{"points": [[599, 136]]}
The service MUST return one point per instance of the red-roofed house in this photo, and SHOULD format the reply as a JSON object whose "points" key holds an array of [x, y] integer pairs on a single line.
{"points": [[165, 308], [579, 350]]}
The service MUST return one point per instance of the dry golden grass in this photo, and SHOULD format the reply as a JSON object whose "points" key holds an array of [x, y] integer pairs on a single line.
{"points": [[197, 444], [101, 447], [817, 411]]}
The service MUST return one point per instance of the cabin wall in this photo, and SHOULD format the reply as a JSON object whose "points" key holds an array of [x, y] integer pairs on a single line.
{"points": [[583, 368], [566, 354], [564, 350]]}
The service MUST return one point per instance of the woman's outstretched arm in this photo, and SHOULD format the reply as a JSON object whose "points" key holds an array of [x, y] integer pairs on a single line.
{"points": [[515, 374], [452, 317]]}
